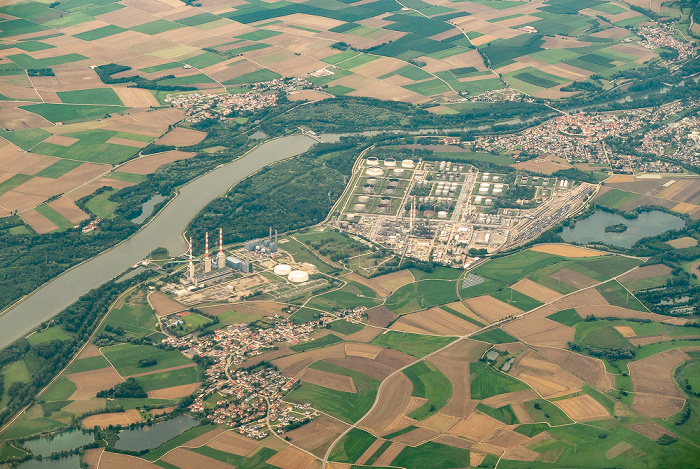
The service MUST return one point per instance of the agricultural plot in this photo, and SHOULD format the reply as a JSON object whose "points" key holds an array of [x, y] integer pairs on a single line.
{"points": [[125, 358], [422, 295]]}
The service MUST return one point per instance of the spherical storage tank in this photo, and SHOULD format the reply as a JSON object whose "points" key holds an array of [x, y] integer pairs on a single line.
{"points": [[282, 269], [298, 276]]}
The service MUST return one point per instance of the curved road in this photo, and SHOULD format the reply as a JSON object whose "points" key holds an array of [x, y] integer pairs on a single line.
{"points": [[165, 229]]}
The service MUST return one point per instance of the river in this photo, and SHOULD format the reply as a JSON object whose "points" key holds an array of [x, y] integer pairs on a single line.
{"points": [[165, 229]]}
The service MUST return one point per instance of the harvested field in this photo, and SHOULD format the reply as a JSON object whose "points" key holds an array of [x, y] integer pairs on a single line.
{"points": [[454, 441], [566, 250], [416, 437], [395, 280], [380, 316], [626, 331], [362, 350], [521, 413], [390, 454], [233, 443], [394, 358], [294, 364], [365, 335], [535, 290], [135, 97], [476, 427], [584, 298], [510, 398], [92, 457], [89, 383], [120, 461], [436, 321], [328, 380], [163, 305], [589, 368], [646, 271], [16, 201], [292, 458], [655, 392], [535, 329], [68, 209], [38, 222], [368, 366], [186, 459], [506, 438], [391, 405], [45, 187], [550, 163], [90, 350], [61, 140], [148, 164], [491, 309], [680, 243], [545, 377], [317, 433], [573, 278], [85, 172], [382, 293], [181, 137], [648, 339], [618, 449], [370, 451], [439, 422], [651, 430], [582, 408], [174, 392], [521, 453], [307, 95], [113, 418], [163, 411]]}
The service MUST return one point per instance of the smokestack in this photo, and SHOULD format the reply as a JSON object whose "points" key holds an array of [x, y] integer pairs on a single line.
{"points": [[221, 257], [275, 236], [207, 261], [191, 266], [270, 238]]}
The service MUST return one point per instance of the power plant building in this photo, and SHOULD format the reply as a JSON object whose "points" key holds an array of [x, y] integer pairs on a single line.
{"points": [[262, 243], [238, 264]]}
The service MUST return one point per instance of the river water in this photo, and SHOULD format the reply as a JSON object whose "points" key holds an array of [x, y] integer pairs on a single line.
{"points": [[165, 230]]}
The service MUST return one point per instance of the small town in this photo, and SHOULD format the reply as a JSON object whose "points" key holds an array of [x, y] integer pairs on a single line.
{"points": [[662, 36]]}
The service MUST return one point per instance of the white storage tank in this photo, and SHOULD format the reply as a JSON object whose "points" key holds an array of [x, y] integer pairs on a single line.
{"points": [[298, 276], [374, 171], [390, 162], [373, 161], [407, 164], [483, 190], [360, 207], [363, 199], [478, 199], [442, 214], [398, 171], [282, 269]]}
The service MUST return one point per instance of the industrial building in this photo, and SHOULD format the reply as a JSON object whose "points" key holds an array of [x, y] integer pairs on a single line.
{"points": [[262, 244], [213, 270], [238, 264]]}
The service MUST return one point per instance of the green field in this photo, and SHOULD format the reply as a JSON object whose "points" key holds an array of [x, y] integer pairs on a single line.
{"points": [[484, 288], [348, 407], [339, 90], [155, 27], [59, 168], [71, 112], [429, 87], [351, 295], [16, 371], [56, 218], [616, 295], [26, 138], [412, 344], [181, 439], [517, 299], [544, 411], [138, 320], [91, 146], [505, 414], [188, 80], [88, 364], [346, 327], [421, 295], [487, 382], [438, 273], [254, 77], [615, 198], [431, 384], [568, 317], [599, 335], [431, 455], [100, 33], [101, 206], [495, 336], [92, 96], [324, 341], [61, 389], [352, 446], [169, 379], [47, 335], [510, 269], [603, 268], [125, 358], [254, 461]]}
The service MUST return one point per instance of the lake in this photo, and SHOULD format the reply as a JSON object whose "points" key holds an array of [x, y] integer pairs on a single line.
{"points": [[151, 437], [63, 442], [71, 462], [592, 228]]}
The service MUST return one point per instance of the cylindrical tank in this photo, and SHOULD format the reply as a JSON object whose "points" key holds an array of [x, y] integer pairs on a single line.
{"points": [[298, 276], [363, 199], [373, 161], [429, 214], [442, 214], [360, 207], [282, 269], [483, 190], [374, 171], [372, 181], [497, 191], [407, 164], [351, 216], [368, 188], [385, 200], [398, 172], [478, 199], [391, 189], [383, 208], [390, 162]]}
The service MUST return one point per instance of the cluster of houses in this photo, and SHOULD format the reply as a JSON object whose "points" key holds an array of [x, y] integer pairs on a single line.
{"points": [[656, 37]]}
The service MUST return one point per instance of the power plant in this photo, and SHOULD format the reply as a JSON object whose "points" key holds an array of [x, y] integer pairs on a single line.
{"points": [[263, 245]]}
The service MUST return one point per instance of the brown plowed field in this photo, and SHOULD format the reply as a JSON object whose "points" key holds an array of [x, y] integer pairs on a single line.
{"points": [[365, 335], [438, 321], [588, 368], [535, 290], [380, 316], [573, 278], [583, 298], [582, 408], [121, 461], [520, 453], [416, 437], [148, 164], [307, 95], [395, 280], [394, 358], [566, 250], [92, 457], [181, 137], [113, 418], [506, 438], [371, 368], [135, 97], [649, 339], [540, 331], [294, 364], [62, 140], [163, 411], [362, 350], [186, 459], [655, 392], [450, 440], [646, 271], [68, 209], [491, 309], [680, 243], [521, 413], [439, 422], [370, 451], [618, 449], [230, 442], [328, 380], [371, 283], [89, 383], [317, 433], [545, 377], [38, 222], [476, 427], [392, 402], [651, 430], [281, 351], [510, 398], [389, 455], [174, 392], [292, 458], [91, 350], [163, 305]]}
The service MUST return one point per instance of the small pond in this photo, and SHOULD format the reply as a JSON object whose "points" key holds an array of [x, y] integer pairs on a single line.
{"points": [[71, 462], [592, 228], [151, 437], [63, 442], [147, 208]]}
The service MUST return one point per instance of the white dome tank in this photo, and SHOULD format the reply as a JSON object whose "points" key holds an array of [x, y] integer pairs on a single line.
{"points": [[298, 276], [282, 269], [373, 161], [407, 164], [442, 214], [391, 162], [374, 171]]}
